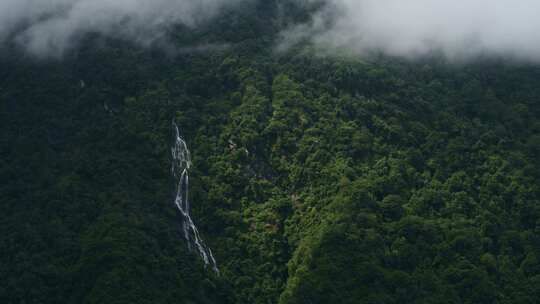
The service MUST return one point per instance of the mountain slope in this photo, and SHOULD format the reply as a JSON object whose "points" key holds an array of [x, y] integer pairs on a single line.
{"points": [[314, 179]]}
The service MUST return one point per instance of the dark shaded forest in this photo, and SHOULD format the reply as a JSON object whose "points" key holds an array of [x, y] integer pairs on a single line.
{"points": [[315, 179]]}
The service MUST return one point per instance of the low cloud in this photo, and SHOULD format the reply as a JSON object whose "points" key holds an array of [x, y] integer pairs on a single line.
{"points": [[50, 27], [460, 29]]}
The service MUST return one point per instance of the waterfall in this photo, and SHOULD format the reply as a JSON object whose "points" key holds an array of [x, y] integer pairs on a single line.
{"points": [[181, 163]]}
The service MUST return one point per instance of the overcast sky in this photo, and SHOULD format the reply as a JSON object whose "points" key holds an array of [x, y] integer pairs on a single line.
{"points": [[410, 28]]}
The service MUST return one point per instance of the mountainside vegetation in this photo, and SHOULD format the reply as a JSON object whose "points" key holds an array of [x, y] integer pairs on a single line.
{"points": [[315, 179]]}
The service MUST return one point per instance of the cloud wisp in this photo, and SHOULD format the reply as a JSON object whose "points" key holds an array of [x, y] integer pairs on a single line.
{"points": [[461, 29], [49, 28]]}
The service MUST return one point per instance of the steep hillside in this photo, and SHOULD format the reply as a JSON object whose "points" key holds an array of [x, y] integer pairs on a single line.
{"points": [[314, 179]]}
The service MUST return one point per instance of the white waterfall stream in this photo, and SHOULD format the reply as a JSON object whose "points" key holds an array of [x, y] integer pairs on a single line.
{"points": [[181, 163]]}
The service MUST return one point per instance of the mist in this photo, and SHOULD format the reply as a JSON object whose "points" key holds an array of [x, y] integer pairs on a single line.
{"points": [[460, 29], [48, 28]]}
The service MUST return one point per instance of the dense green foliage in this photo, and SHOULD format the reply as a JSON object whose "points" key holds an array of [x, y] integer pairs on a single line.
{"points": [[315, 179]]}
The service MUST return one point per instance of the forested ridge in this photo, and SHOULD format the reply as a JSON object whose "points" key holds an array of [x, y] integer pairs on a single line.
{"points": [[315, 178]]}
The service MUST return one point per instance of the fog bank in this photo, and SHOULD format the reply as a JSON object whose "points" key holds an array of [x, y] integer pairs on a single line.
{"points": [[460, 29], [50, 27]]}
